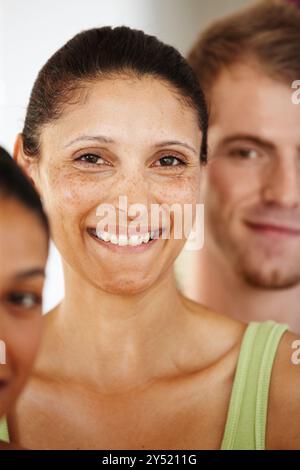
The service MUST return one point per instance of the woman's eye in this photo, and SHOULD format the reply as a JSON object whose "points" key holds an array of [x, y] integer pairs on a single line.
{"points": [[169, 160], [90, 158], [25, 300]]}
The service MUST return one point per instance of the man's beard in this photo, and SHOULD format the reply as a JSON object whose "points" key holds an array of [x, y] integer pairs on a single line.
{"points": [[254, 266], [274, 278]]}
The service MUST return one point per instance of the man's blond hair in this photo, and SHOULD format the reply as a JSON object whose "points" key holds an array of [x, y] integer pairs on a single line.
{"points": [[267, 32]]}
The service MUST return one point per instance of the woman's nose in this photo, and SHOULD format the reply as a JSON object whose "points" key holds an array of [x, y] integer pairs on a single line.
{"points": [[134, 187]]}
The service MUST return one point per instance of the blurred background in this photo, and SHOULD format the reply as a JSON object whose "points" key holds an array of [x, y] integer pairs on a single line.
{"points": [[32, 30]]}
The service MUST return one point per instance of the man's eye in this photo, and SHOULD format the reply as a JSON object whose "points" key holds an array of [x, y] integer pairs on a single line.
{"points": [[243, 153], [25, 300], [90, 158], [169, 160]]}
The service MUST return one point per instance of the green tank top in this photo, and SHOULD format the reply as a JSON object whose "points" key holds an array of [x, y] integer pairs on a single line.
{"points": [[245, 427]]}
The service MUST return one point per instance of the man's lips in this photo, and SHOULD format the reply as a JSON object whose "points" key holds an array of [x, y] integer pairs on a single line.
{"points": [[273, 228]]}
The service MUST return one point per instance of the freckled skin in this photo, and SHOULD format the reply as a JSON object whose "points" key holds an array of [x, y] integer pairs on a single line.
{"points": [[71, 195], [23, 247], [127, 361]]}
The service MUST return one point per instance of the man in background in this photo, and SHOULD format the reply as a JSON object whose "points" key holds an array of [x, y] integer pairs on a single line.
{"points": [[249, 267]]}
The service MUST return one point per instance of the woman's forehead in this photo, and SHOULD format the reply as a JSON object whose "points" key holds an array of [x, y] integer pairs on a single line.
{"points": [[126, 108]]}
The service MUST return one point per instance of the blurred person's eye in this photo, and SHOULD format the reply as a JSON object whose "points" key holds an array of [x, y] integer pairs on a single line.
{"points": [[244, 153], [24, 300]]}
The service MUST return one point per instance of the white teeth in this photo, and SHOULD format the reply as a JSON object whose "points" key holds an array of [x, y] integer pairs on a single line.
{"points": [[123, 240], [114, 239], [134, 240], [104, 236], [146, 237], [155, 234]]}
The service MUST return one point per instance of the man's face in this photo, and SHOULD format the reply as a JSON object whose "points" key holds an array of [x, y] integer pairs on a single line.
{"points": [[252, 191]]}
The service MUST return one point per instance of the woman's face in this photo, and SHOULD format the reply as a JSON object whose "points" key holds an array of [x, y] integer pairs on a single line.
{"points": [[128, 137], [23, 257]]}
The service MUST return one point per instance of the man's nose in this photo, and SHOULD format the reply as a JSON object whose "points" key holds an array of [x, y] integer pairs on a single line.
{"points": [[281, 184]]}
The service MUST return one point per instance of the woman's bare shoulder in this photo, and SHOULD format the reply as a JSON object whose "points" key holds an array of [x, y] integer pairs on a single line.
{"points": [[215, 321], [283, 428], [218, 336]]}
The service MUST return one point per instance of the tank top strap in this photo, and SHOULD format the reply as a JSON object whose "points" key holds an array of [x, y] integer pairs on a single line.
{"points": [[4, 436], [247, 414]]}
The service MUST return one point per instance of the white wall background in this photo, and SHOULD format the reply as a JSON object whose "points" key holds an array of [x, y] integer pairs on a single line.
{"points": [[31, 30]]}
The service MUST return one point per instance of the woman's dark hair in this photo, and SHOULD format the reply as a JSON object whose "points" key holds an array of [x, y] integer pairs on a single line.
{"points": [[15, 184], [101, 53]]}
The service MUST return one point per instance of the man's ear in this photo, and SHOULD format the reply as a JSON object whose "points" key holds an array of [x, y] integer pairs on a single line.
{"points": [[27, 163]]}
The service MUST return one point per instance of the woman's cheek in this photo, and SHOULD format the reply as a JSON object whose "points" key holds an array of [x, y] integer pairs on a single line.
{"points": [[183, 190], [65, 198], [72, 196], [183, 197]]}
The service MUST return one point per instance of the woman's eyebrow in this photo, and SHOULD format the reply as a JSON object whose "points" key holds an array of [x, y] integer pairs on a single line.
{"points": [[175, 142], [33, 272], [91, 138], [108, 140]]}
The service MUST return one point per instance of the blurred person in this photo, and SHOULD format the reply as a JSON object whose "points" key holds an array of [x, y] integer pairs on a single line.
{"points": [[24, 237], [128, 362], [250, 265]]}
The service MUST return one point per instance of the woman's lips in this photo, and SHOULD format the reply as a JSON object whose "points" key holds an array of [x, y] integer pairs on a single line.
{"points": [[267, 228]]}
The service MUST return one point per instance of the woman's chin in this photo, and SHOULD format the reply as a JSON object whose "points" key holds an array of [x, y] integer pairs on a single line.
{"points": [[126, 286]]}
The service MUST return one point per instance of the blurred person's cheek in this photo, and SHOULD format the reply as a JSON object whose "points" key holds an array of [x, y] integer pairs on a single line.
{"points": [[20, 336]]}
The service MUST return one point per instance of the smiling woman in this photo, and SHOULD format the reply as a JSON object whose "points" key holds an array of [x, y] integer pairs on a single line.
{"points": [[127, 361]]}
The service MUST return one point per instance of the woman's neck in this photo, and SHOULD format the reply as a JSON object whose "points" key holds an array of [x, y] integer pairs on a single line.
{"points": [[120, 340]]}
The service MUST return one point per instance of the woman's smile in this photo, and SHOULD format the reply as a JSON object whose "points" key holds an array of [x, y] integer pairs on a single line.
{"points": [[135, 243], [135, 145]]}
